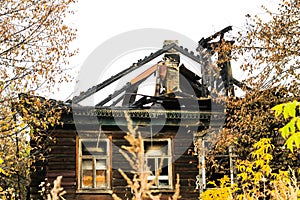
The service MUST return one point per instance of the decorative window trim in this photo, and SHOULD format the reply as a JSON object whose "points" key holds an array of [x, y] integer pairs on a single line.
{"points": [[169, 156], [108, 162]]}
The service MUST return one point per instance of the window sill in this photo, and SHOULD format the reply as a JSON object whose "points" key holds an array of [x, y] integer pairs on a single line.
{"points": [[94, 191], [162, 190]]}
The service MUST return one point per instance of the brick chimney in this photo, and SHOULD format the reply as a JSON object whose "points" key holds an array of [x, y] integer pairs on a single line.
{"points": [[167, 80]]}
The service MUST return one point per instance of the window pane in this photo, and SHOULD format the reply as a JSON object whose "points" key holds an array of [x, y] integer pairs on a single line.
{"points": [[163, 182], [94, 147], [156, 148], [94, 163], [87, 164], [87, 173], [151, 165], [101, 173], [165, 166], [101, 164], [155, 153], [100, 178]]}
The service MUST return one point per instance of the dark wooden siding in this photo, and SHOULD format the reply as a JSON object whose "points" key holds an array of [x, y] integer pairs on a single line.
{"points": [[61, 161]]}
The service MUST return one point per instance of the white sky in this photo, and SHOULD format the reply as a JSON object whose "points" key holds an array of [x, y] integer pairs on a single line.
{"points": [[98, 21]]}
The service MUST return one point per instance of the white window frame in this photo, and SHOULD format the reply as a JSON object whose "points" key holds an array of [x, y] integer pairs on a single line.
{"points": [[107, 158], [157, 164]]}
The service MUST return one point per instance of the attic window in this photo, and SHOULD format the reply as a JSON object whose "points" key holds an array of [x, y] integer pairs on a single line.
{"points": [[94, 164], [157, 152]]}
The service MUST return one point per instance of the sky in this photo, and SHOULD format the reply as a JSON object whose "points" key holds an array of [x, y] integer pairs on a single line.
{"points": [[98, 21]]}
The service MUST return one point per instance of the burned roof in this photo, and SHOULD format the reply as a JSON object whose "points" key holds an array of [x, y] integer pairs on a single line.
{"points": [[194, 79]]}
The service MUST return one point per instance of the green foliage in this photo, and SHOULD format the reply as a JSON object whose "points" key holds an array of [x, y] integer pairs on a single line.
{"points": [[291, 130]]}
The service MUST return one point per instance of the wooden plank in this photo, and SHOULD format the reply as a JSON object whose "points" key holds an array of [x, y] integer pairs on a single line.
{"points": [[144, 74], [93, 197], [56, 173], [65, 141]]}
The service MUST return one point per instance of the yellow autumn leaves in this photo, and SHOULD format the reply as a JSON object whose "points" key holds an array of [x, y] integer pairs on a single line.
{"points": [[255, 179]]}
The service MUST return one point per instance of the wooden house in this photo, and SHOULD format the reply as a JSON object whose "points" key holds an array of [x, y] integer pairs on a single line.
{"points": [[86, 148]]}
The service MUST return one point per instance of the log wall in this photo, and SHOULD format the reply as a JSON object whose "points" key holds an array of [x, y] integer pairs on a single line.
{"points": [[61, 161]]}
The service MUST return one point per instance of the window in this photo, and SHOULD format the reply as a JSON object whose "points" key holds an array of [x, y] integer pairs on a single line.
{"points": [[158, 152], [94, 164]]}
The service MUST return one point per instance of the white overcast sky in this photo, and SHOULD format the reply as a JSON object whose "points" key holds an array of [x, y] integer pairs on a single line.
{"points": [[98, 21]]}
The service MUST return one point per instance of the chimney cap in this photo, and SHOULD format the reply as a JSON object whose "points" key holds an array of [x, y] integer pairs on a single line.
{"points": [[167, 42]]}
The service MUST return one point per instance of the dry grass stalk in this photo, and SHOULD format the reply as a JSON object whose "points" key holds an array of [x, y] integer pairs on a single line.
{"points": [[115, 197], [176, 195], [57, 191], [139, 184], [285, 187]]}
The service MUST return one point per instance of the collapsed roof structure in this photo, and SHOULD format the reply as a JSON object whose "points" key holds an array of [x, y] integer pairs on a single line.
{"points": [[169, 72]]}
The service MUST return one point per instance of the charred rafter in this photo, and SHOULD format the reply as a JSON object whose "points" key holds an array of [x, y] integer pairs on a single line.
{"points": [[201, 59], [135, 66]]}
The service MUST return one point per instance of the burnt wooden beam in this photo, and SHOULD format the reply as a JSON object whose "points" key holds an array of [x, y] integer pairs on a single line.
{"points": [[204, 42], [117, 100], [113, 95], [223, 57], [189, 54], [188, 73], [135, 66], [130, 95], [132, 84], [116, 77], [145, 74]]}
